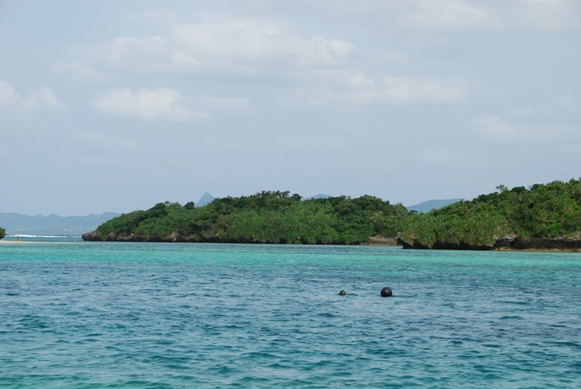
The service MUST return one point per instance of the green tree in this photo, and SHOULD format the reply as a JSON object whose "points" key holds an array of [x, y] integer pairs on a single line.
{"points": [[265, 217], [546, 211]]}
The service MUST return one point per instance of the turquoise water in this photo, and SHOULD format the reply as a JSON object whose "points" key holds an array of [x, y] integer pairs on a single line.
{"points": [[130, 315]]}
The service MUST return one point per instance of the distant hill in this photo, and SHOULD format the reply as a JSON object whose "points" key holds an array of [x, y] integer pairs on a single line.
{"points": [[15, 223], [427, 206], [206, 199], [319, 196]]}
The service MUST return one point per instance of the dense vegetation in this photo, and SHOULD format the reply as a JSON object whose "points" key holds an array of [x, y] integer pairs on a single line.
{"points": [[542, 211], [266, 217], [543, 216], [2, 232]]}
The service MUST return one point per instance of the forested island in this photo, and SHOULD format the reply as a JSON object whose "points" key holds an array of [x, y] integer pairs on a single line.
{"points": [[540, 217], [266, 217], [2, 232]]}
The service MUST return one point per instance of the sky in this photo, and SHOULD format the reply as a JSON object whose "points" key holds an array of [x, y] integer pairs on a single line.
{"points": [[114, 106]]}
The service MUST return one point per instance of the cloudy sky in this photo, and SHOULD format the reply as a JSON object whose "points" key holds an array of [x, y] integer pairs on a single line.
{"points": [[118, 105]]}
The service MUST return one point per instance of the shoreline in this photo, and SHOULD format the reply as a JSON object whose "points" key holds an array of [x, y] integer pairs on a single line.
{"points": [[10, 242], [26, 242], [375, 244]]}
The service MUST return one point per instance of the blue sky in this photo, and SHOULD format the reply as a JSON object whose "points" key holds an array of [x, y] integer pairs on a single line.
{"points": [[116, 106]]}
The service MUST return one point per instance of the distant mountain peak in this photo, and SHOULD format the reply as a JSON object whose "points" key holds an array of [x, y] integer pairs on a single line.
{"points": [[318, 196], [205, 199], [427, 206]]}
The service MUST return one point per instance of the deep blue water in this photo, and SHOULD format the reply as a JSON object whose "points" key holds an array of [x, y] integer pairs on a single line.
{"points": [[129, 315]]}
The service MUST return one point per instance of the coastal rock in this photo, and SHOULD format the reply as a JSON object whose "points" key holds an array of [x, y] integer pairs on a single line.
{"points": [[91, 236], [439, 245], [380, 240], [130, 237], [547, 244], [508, 242]]}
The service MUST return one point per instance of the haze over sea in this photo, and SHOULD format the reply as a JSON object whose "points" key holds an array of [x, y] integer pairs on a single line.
{"points": [[105, 315]]}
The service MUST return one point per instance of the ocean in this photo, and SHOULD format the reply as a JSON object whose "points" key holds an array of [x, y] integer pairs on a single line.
{"points": [[79, 314]]}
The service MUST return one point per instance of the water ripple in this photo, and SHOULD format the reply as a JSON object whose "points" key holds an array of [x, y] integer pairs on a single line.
{"points": [[215, 316]]}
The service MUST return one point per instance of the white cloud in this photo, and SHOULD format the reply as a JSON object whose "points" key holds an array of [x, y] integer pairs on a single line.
{"points": [[500, 130], [450, 16], [39, 99], [148, 105], [438, 16], [164, 105], [312, 69], [255, 44], [353, 91], [234, 46]]}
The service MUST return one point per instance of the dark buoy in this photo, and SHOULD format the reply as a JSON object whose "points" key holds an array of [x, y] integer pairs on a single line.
{"points": [[342, 293], [386, 292]]}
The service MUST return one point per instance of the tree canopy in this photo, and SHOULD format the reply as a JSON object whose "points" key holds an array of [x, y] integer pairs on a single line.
{"points": [[542, 211], [2, 232], [547, 211], [265, 217]]}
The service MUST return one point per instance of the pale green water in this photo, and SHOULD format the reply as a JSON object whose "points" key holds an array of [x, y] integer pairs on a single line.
{"points": [[104, 315]]}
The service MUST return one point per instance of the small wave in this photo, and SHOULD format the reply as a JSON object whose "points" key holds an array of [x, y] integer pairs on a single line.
{"points": [[512, 317], [513, 302], [574, 345]]}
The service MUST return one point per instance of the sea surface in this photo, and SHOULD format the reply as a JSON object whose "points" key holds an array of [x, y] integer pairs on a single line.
{"points": [[79, 314]]}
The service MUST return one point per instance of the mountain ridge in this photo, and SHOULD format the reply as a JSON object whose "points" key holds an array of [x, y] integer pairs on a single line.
{"points": [[428, 205], [19, 224]]}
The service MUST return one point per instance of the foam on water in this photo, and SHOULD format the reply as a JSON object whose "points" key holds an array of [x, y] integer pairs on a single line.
{"points": [[106, 315]]}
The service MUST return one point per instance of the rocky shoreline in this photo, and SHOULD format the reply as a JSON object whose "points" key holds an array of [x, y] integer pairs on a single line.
{"points": [[377, 240], [123, 237], [508, 243]]}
